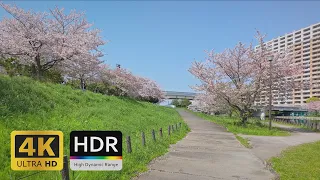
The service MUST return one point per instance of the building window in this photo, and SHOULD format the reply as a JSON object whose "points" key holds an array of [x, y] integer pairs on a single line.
{"points": [[306, 34], [316, 26]]}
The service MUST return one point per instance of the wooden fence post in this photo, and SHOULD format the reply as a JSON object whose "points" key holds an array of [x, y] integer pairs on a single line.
{"points": [[65, 170], [129, 144], [153, 135], [160, 132], [169, 130], [309, 124], [143, 137]]}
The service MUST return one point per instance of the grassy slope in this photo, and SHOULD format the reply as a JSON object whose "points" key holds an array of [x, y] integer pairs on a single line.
{"points": [[252, 128], [300, 162], [29, 105]]}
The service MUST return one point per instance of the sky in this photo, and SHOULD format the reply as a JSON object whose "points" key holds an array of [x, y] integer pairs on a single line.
{"points": [[160, 39]]}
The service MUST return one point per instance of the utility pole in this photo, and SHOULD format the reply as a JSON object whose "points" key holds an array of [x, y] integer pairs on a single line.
{"points": [[270, 58]]}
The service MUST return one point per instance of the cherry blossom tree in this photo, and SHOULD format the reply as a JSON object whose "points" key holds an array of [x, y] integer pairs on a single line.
{"points": [[82, 68], [208, 103], [46, 39], [150, 90], [313, 106], [236, 77], [125, 81], [135, 86]]}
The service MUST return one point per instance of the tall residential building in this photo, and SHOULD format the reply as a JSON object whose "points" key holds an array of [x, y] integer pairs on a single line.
{"points": [[305, 45]]}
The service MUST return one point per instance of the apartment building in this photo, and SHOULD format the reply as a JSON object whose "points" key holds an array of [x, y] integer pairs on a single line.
{"points": [[305, 45]]}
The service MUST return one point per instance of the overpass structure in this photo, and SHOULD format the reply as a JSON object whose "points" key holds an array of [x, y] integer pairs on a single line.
{"points": [[282, 110], [179, 95]]}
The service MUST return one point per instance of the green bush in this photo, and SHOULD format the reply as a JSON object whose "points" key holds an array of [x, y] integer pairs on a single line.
{"points": [[181, 102], [14, 68]]}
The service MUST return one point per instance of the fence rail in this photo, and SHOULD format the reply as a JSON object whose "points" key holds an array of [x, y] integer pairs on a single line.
{"points": [[298, 118], [309, 122]]}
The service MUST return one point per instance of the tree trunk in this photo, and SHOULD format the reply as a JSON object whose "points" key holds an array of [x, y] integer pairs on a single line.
{"points": [[230, 113], [38, 67], [244, 117], [82, 84], [244, 120]]}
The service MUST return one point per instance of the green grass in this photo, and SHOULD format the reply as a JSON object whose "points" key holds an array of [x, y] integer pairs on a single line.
{"points": [[244, 141], [253, 126], [299, 162], [29, 105]]}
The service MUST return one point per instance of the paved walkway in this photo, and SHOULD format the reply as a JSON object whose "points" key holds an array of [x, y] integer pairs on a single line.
{"points": [[265, 147], [207, 152]]}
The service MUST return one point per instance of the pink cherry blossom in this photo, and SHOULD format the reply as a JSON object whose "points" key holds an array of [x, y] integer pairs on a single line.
{"points": [[313, 106]]}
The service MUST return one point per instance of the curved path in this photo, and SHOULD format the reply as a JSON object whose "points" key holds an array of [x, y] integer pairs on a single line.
{"points": [[265, 147], [207, 152]]}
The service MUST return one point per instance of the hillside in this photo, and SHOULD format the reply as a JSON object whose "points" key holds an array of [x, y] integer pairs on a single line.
{"points": [[26, 104]]}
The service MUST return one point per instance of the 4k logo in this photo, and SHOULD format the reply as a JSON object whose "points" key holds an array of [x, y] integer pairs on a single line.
{"points": [[36, 150]]}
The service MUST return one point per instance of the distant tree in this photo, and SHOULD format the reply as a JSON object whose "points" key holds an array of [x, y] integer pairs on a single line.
{"points": [[185, 102], [313, 106], [135, 86], [208, 103], [181, 102], [82, 68], [175, 102], [312, 99]]}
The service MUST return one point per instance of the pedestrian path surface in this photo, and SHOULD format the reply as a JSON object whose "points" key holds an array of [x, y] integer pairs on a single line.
{"points": [[265, 147], [207, 152]]}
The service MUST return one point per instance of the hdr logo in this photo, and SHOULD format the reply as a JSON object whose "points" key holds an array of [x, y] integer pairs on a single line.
{"points": [[96, 150], [36, 150]]}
